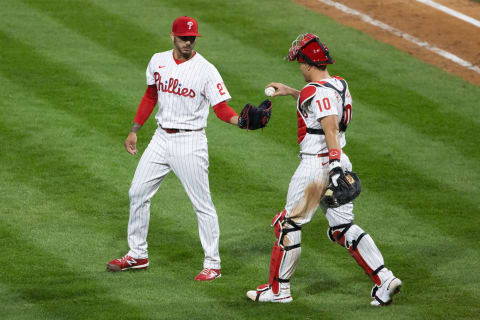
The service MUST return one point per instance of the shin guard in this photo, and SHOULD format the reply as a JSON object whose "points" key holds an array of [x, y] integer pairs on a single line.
{"points": [[285, 252], [361, 247]]}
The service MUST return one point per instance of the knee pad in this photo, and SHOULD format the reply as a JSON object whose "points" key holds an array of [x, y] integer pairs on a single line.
{"points": [[337, 233]]}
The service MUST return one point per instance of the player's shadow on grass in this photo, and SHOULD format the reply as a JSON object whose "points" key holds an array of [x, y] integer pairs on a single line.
{"points": [[321, 285]]}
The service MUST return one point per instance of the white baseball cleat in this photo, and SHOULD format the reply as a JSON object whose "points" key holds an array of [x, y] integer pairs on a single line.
{"points": [[265, 294], [382, 296]]}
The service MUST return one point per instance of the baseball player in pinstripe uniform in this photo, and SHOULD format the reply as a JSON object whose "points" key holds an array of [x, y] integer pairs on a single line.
{"points": [[185, 85], [324, 112]]}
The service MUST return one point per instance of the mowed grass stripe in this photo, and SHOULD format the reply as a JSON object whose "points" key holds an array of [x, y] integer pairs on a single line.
{"points": [[66, 90], [430, 158], [112, 31], [422, 115], [43, 279]]}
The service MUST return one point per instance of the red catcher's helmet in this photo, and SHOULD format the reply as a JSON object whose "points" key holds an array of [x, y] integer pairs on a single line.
{"points": [[185, 27], [307, 48]]}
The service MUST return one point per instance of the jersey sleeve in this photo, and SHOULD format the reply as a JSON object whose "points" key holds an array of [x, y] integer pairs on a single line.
{"points": [[149, 72], [215, 89], [325, 103]]}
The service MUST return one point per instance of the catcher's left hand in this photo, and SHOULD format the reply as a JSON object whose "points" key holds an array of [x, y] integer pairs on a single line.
{"points": [[252, 118]]}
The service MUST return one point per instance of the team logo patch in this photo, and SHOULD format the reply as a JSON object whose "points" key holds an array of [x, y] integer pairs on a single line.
{"points": [[190, 25]]}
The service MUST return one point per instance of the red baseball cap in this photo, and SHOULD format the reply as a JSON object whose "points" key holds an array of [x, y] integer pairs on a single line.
{"points": [[185, 26]]}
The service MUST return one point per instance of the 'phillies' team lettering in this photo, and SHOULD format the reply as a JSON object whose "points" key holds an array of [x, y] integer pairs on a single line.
{"points": [[172, 87]]}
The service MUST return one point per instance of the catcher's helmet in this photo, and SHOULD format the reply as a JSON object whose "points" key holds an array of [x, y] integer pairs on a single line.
{"points": [[307, 48]]}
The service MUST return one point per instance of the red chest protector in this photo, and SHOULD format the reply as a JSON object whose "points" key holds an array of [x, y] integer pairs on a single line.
{"points": [[307, 94]]}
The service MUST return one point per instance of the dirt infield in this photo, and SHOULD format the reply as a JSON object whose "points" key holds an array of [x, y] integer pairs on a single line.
{"points": [[421, 21]]}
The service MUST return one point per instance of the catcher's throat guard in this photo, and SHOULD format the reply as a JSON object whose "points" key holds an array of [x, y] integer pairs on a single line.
{"points": [[347, 190]]}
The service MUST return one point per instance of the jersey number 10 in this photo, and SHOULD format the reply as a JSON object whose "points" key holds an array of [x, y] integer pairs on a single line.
{"points": [[347, 110]]}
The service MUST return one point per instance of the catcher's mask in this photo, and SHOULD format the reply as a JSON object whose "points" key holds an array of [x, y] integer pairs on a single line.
{"points": [[307, 48]]}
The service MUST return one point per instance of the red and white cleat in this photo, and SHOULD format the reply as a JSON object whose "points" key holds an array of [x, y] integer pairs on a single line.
{"points": [[127, 262], [208, 274], [265, 294]]}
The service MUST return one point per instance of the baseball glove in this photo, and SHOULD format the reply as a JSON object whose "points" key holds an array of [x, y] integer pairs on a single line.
{"points": [[347, 189], [252, 118]]}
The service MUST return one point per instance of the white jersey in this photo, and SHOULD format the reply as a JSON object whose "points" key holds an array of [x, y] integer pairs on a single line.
{"points": [[316, 101], [185, 90]]}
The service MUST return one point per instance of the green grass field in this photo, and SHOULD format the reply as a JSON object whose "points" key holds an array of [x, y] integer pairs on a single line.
{"points": [[71, 76]]}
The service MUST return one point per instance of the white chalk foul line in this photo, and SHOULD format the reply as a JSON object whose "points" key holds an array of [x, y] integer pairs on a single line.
{"points": [[406, 36], [451, 12]]}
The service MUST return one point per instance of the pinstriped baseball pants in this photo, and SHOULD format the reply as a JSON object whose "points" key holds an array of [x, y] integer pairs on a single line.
{"points": [[312, 168], [186, 154]]}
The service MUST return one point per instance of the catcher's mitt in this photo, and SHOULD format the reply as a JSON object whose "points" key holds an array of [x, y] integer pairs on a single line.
{"points": [[347, 189], [252, 118]]}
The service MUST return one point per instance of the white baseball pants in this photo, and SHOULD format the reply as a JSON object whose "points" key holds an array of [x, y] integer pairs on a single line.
{"points": [[186, 153]]}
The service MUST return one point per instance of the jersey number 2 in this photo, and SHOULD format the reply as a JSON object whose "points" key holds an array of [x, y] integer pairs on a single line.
{"points": [[220, 88]]}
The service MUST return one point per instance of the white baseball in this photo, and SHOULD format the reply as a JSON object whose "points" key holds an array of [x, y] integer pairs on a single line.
{"points": [[270, 91]]}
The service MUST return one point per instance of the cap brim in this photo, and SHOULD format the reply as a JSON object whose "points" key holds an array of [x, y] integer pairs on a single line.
{"points": [[187, 34]]}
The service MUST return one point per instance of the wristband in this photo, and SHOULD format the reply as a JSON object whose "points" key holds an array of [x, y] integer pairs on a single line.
{"points": [[334, 155]]}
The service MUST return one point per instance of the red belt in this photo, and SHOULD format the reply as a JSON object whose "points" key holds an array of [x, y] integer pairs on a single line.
{"points": [[321, 155], [176, 130]]}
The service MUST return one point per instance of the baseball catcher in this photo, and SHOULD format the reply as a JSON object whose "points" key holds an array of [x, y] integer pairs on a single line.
{"points": [[324, 110]]}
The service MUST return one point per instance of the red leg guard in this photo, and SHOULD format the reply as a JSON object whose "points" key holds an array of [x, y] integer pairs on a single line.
{"points": [[277, 251], [371, 273], [275, 260], [341, 240]]}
